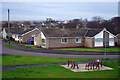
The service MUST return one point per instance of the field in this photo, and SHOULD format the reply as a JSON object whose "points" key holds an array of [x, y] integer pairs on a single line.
{"points": [[14, 60], [56, 71]]}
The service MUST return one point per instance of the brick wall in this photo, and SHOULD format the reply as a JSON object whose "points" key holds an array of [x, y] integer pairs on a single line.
{"points": [[117, 40], [89, 42], [56, 42], [38, 40], [26, 38], [107, 39]]}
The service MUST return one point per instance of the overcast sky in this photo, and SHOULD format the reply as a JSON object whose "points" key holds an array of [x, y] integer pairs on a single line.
{"points": [[59, 10]]}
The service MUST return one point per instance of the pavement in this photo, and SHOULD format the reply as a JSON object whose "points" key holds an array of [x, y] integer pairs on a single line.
{"points": [[82, 68]]}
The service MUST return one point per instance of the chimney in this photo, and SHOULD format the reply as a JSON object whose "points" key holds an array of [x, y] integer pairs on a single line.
{"points": [[77, 26], [25, 28], [63, 26]]}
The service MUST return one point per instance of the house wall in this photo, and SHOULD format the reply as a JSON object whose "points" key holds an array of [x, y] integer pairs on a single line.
{"points": [[20, 39], [4, 34], [98, 40], [38, 39], [107, 39], [117, 40], [111, 42], [15, 36], [27, 37], [89, 42], [56, 43]]}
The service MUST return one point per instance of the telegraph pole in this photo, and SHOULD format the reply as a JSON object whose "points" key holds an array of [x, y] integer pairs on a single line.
{"points": [[8, 26]]}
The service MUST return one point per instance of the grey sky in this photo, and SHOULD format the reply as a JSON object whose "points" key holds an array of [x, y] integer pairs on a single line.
{"points": [[58, 10]]}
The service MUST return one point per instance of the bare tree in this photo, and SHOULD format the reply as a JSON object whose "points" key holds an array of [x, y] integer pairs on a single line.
{"points": [[97, 18]]}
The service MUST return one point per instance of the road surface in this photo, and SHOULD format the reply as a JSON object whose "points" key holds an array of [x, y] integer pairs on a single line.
{"points": [[8, 51]]}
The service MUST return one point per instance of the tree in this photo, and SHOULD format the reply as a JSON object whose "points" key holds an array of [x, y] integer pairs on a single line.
{"points": [[97, 18], [49, 20]]}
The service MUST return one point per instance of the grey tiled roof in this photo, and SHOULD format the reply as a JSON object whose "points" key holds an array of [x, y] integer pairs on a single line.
{"points": [[64, 33], [92, 33], [18, 31]]}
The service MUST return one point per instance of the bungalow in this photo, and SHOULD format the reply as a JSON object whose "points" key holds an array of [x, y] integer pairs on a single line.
{"points": [[98, 38], [66, 38], [21, 35], [29, 36]]}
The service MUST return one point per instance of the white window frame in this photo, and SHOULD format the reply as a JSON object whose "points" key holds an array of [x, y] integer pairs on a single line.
{"points": [[96, 42], [44, 43], [113, 42], [62, 40], [78, 40], [15, 36]]}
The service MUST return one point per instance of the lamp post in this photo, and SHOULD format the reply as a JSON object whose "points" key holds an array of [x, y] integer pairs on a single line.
{"points": [[8, 26]]}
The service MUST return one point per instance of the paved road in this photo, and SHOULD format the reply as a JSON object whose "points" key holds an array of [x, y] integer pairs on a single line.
{"points": [[9, 51], [22, 48]]}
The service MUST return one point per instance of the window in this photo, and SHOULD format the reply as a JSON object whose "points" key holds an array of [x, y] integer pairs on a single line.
{"points": [[111, 41], [43, 40], [15, 36], [78, 40], [64, 40], [98, 40]]}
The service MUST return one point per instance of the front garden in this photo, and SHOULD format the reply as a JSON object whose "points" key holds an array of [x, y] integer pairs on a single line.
{"points": [[92, 49]]}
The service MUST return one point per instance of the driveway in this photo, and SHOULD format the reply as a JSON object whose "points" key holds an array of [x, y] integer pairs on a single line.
{"points": [[8, 51]]}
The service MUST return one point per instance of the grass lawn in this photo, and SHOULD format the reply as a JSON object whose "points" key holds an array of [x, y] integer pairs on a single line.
{"points": [[94, 50], [26, 45], [32, 47], [14, 42], [56, 71], [13, 60], [9, 46]]}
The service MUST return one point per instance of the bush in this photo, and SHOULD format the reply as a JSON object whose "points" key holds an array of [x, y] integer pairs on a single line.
{"points": [[27, 47]]}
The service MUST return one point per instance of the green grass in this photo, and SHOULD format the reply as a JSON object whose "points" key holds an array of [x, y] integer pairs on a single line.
{"points": [[13, 60], [14, 42], [9, 46], [26, 45], [93, 50], [32, 47], [56, 71]]}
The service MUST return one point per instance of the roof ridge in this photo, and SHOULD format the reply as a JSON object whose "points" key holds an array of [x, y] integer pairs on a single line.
{"points": [[86, 32]]}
